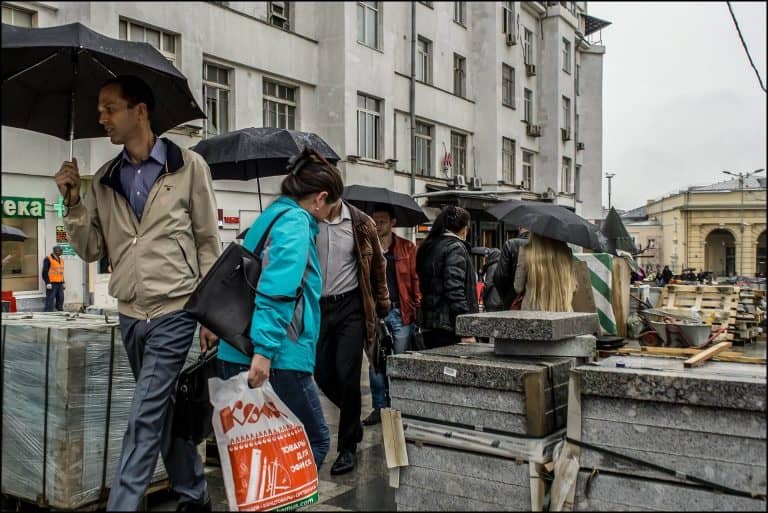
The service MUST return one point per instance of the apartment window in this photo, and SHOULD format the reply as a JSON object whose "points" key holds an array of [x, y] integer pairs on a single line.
{"points": [[279, 105], [368, 23], [576, 127], [527, 170], [423, 149], [12, 15], [216, 94], [566, 113], [565, 185], [459, 153], [577, 182], [424, 60], [578, 78], [528, 99], [507, 160], [508, 85], [279, 14], [651, 243], [460, 13], [459, 75], [508, 17], [368, 126], [528, 46], [165, 42], [566, 55]]}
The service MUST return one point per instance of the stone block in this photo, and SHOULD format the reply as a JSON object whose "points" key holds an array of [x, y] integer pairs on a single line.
{"points": [[527, 325], [610, 492], [416, 499], [583, 346]]}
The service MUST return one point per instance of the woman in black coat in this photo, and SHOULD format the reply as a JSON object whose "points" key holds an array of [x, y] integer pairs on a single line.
{"points": [[447, 278]]}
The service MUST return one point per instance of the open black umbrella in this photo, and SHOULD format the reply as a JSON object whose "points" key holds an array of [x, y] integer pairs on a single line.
{"points": [[406, 210], [52, 76], [551, 221], [614, 230], [258, 152], [11, 233]]}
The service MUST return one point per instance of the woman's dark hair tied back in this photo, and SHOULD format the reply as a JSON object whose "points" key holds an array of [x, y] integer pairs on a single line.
{"points": [[309, 173]]}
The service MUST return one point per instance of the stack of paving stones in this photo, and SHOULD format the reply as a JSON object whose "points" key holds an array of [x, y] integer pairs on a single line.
{"points": [[708, 423], [522, 399]]}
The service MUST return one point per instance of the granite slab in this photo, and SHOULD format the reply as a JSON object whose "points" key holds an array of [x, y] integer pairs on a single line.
{"points": [[583, 346], [527, 325]]}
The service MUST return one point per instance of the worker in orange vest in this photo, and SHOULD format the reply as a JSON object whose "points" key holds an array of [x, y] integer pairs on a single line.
{"points": [[53, 276]]}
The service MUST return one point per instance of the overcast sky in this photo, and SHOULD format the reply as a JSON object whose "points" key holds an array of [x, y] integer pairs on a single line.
{"points": [[681, 102]]}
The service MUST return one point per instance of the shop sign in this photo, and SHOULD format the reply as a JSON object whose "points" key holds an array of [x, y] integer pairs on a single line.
{"points": [[61, 235], [66, 249], [231, 220], [23, 207]]}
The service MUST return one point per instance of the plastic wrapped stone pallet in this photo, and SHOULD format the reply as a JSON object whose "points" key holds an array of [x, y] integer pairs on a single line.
{"points": [[61, 443], [647, 433]]}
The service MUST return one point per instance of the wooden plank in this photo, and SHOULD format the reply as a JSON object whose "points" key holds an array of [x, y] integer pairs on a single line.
{"points": [[535, 403], [681, 352], [706, 355], [620, 283]]}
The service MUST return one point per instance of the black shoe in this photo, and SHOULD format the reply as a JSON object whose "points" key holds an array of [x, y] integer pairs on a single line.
{"points": [[373, 419], [344, 463], [191, 507]]}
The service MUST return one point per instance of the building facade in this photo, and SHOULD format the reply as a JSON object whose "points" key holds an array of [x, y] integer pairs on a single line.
{"points": [[507, 103], [701, 227]]}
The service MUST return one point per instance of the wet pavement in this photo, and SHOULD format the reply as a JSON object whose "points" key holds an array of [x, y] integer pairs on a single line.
{"points": [[364, 489]]}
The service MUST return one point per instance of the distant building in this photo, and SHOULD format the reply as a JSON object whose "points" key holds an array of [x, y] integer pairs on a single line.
{"points": [[699, 227]]}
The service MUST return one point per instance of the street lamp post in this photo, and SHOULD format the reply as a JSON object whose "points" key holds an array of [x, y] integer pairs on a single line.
{"points": [[609, 176], [741, 176]]}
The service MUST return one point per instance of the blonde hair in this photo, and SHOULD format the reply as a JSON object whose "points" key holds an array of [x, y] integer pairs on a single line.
{"points": [[551, 280]]}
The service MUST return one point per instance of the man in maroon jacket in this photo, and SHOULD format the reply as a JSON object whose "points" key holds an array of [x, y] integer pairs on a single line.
{"points": [[405, 296]]}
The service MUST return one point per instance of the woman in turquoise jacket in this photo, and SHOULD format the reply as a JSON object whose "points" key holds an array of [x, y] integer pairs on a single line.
{"points": [[284, 333]]}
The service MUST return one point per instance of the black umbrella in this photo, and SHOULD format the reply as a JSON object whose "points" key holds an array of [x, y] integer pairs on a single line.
{"points": [[405, 208], [616, 233], [551, 221], [258, 152], [52, 76], [11, 233]]}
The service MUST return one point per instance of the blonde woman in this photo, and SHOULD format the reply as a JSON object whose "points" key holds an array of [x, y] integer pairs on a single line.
{"points": [[545, 275]]}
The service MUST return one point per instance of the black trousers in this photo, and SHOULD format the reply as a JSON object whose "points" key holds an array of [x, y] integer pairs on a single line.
{"points": [[435, 338], [339, 359]]}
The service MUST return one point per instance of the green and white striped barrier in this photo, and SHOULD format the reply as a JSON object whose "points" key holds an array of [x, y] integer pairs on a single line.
{"points": [[600, 267]]}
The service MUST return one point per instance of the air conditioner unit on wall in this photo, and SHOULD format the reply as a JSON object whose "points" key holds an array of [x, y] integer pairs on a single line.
{"points": [[475, 183], [580, 146], [530, 70], [511, 41], [566, 134], [459, 181], [533, 130]]}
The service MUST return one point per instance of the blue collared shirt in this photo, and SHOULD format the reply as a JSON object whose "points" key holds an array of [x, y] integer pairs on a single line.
{"points": [[137, 180]]}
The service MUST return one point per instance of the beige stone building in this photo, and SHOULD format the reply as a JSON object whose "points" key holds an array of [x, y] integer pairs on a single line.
{"points": [[699, 227]]}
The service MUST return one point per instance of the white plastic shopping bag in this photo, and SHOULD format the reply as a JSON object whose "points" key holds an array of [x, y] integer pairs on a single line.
{"points": [[266, 459]]}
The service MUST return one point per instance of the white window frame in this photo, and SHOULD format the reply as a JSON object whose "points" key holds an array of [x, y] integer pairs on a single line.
{"points": [[12, 10], [165, 37], [578, 80], [528, 46], [459, 153], [288, 106], [459, 75], [577, 182], [565, 176], [528, 105], [460, 13], [424, 60], [367, 9], [218, 87], [508, 86], [286, 15], [528, 169], [566, 55], [374, 117], [508, 18], [507, 160], [424, 139], [566, 113]]}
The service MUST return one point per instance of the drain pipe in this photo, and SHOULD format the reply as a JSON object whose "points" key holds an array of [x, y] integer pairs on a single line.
{"points": [[413, 97]]}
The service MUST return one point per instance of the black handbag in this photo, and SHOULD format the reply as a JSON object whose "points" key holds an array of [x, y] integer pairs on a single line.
{"points": [[384, 347], [193, 411], [223, 301]]}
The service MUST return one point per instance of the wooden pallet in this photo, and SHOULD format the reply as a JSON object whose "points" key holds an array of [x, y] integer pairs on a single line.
{"points": [[687, 352], [749, 316], [720, 301]]}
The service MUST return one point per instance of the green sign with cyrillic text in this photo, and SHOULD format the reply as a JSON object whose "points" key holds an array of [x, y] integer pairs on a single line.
{"points": [[23, 207]]}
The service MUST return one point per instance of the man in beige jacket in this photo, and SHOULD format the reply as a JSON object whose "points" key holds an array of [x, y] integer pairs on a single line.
{"points": [[152, 212]]}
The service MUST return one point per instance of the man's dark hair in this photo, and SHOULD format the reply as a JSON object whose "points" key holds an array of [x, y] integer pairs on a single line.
{"points": [[379, 207], [133, 90]]}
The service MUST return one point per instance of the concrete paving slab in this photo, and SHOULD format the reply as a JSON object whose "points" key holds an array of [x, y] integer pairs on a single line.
{"points": [[527, 325]]}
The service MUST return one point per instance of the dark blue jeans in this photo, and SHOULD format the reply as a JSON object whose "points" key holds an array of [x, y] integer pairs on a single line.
{"points": [[54, 297], [402, 336], [298, 391]]}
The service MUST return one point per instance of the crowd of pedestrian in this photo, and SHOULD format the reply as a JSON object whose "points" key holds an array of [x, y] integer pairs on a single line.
{"points": [[332, 279]]}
